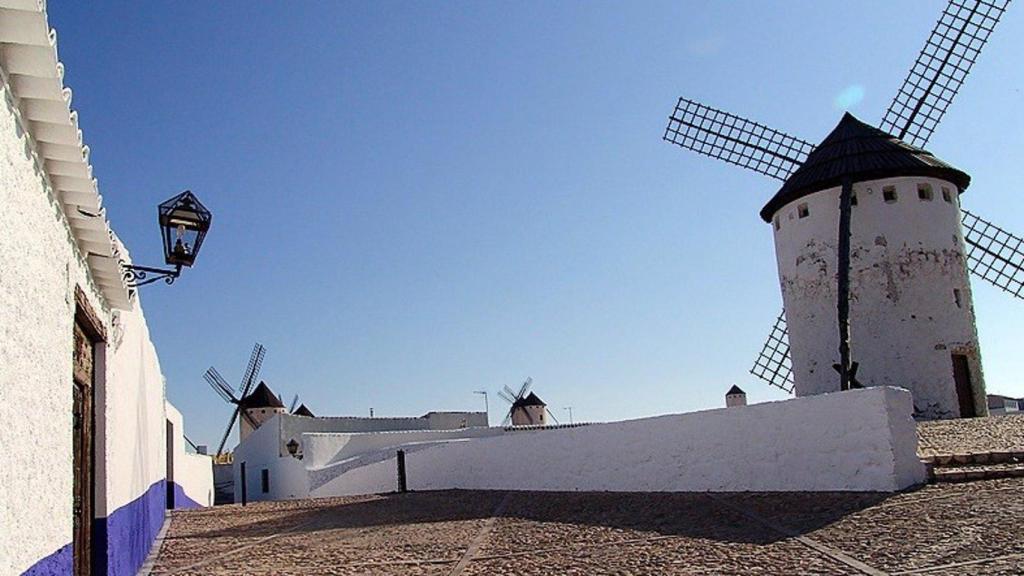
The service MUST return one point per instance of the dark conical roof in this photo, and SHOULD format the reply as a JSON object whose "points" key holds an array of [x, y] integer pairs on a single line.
{"points": [[261, 397], [861, 152], [530, 400], [302, 411], [735, 390]]}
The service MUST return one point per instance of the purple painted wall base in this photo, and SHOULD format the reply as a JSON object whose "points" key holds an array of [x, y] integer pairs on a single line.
{"points": [[181, 500], [57, 564], [122, 540]]}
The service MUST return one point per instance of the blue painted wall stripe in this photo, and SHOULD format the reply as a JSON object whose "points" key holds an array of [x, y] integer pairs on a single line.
{"points": [[57, 564], [122, 540]]}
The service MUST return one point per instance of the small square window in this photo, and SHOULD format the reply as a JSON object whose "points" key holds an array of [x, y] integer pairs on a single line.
{"points": [[947, 195], [778, 224], [802, 211], [956, 297], [853, 199], [889, 194], [924, 192]]}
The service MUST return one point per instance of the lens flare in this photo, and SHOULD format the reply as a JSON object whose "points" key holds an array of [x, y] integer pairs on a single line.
{"points": [[849, 97]]}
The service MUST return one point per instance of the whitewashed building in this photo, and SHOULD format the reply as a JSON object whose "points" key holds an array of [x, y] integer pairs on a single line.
{"points": [[911, 310], [268, 463], [84, 465]]}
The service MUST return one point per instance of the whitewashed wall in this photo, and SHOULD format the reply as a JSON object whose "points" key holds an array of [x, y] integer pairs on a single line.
{"points": [[328, 456], [191, 474], [907, 258], [262, 450], [860, 440], [40, 267], [293, 427]]}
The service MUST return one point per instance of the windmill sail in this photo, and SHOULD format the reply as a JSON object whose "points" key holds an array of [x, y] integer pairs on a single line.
{"points": [[773, 363], [993, 254], [940, 69], [735, 140], [252, 370]]}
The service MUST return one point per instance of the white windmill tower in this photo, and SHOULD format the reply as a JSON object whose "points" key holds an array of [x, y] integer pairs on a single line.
{"points": [[870, 248]]}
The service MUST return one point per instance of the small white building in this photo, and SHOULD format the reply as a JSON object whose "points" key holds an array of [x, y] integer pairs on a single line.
{"points": [[735, 397], [268, 463], [999, 404], [911, 311]]}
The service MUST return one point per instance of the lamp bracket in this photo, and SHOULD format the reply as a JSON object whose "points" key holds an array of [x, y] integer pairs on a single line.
{"points": [[136, 276]]}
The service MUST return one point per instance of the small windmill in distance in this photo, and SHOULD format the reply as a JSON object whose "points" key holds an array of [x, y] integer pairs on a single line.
{"points": [[525, 409], [226, 392]]}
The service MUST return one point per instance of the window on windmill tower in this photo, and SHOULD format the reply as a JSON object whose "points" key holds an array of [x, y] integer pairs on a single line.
{"points": [[853, 199], [947, 195], [778, 223], [889, 194], [802, 211], [956, 297], [924, 192]]}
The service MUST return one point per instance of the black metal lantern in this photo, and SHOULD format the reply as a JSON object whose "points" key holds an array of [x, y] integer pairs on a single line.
{"points": [[184, 222], [293, 447]]}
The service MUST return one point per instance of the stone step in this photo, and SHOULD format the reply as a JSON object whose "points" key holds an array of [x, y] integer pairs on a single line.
{"points": [[940, 461], [977, 472]]}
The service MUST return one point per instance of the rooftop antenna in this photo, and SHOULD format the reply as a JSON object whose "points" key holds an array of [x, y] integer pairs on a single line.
{"points": [[487, 409]]}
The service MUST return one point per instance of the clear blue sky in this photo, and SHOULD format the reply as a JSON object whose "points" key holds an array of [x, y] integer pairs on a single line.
{"points": [[416, 200]]}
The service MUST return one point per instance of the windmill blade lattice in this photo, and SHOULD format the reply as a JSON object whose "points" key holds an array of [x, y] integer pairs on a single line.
{"points": [[736, 140], [253, 369], [773, 364], [940, 69], [219, 385], [993, 254]]}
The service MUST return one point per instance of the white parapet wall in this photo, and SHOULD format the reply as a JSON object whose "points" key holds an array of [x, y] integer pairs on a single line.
{"points": [[860, 440]]}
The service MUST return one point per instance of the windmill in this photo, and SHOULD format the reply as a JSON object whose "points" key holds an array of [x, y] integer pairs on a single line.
{"points": [[833, 234], [525, 407], [226, 392]]}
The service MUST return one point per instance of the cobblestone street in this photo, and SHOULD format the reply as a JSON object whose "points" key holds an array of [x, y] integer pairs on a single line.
{"points": [[969, 528]]}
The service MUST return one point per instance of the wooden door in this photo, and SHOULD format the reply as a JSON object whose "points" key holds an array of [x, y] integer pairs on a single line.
{"points": [[964, 390], [82, 449]]}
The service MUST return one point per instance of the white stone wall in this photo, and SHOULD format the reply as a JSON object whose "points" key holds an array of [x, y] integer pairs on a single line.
{"points": [[262, 450], [40, 267], [193, 473], [859, 440], [135, 421], [292, 478], [293, 427], [907, 258]]}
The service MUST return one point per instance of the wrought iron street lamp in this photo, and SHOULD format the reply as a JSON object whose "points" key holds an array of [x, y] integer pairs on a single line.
{"points": [[184, 222]]}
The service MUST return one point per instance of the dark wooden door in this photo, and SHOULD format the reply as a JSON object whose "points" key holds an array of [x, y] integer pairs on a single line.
{"points": [[82, 448], [964, 390]]}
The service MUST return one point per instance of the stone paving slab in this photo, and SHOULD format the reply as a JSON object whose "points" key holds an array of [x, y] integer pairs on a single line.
{"points": [[936, 529], [969, 435]]}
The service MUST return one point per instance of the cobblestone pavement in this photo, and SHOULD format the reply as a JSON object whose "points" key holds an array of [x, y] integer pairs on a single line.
{"points": [[967, 435], [969, 528]]}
